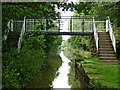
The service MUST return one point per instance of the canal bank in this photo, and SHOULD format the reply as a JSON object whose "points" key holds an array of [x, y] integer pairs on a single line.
{"points": [[46, 77], [93, 73]]}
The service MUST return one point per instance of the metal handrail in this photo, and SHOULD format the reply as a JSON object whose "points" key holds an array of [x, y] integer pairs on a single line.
{"points": [[112, 36], [21, 35], [9, 28], [95, 34]]}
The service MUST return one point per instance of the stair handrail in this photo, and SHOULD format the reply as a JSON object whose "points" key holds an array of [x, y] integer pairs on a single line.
{"points": [[21, 35], [111, 33], [9, 28], [95, 34]]}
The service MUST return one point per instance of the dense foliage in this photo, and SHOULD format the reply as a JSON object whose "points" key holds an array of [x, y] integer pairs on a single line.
{"points": [[100, 11], [19, 69]]}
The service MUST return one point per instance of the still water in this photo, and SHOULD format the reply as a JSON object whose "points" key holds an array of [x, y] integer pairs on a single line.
{"points": [[59, 74], [62, 80]]}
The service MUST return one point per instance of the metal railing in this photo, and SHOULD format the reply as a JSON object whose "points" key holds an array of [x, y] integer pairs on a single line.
{"points": [[95, 34], [21, 35], [62, 24], [110, 30], [9, 28]]}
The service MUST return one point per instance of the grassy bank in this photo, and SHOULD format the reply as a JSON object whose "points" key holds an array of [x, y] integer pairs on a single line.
{"points": [[101, 75]]}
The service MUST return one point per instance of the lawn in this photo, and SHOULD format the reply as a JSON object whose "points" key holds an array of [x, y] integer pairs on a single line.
{"points": [[105, 75]]}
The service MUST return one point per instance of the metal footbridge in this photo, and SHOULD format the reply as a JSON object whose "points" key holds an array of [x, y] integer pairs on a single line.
{"points": [[64, 25]]}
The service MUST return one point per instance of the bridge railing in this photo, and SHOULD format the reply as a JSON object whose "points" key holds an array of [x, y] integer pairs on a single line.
{"points": [[60, 24], [42, 24], [21, 35], [81, 25], [95, 35], [110, 30]]}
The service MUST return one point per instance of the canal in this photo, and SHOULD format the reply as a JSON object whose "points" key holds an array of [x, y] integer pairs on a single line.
{"points": [[60, 72]]}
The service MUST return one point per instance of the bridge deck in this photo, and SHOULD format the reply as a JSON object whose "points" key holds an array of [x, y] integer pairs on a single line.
{"points": [[62, 33]]}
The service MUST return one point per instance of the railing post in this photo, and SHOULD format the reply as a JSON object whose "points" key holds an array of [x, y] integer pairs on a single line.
{"points": [[25, 22], [11, 25], [59, 24], [71, 24], [107, 25], [45, 23], [83, 25]]}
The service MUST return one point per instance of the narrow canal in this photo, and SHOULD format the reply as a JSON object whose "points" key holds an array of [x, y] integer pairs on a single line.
{"points": [[59, 74]]}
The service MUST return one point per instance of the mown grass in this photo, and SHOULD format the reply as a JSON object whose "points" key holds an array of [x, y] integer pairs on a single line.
{"points": [[107, 74]]}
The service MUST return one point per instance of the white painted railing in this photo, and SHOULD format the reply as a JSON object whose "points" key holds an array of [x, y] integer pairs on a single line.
{"points": [[21, 35], [9, 28], [110, 30], [95, 34]]}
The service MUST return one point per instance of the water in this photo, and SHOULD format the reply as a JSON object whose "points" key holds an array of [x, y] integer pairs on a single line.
{"points": [[59, 74], [62, 80]]}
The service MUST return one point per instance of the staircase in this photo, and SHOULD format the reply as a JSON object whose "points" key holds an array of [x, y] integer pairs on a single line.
{"points": [[106, 50], [13, 38]]}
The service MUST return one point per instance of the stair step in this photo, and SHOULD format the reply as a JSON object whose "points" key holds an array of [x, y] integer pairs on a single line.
{"points": [[107, 58], [107, 55], [104, 41], [103, 33], [109, 49], [13, 38], [105, 46], [103, 36], [106, 52]]}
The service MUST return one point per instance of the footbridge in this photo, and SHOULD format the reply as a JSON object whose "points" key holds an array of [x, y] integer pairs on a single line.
{"points": [[66, 25]]}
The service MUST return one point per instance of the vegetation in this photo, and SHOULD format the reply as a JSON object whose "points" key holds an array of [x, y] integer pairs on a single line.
{"points": [[73, 82], [102, 75], [46, 77], [19, 68]]}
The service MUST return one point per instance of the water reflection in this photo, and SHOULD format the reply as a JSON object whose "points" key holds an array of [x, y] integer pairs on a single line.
{"points": [[62, 80]]}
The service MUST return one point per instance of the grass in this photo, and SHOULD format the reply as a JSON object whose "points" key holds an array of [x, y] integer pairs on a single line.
{"points": [[105, 75]]}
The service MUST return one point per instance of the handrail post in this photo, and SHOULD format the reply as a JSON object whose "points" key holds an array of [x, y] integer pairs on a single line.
{"points": [[25, 22], [71, 24], [59, 24], [107, 25], [10, 26]]}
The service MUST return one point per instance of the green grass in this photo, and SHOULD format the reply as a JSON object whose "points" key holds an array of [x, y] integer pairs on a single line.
{"points": [[108, 73]]}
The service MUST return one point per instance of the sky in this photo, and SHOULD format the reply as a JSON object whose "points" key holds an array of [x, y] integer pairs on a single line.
{"points": [[64, 27]]}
